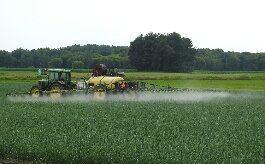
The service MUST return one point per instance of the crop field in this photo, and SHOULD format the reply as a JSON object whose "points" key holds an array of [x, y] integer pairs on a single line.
{"points": [[222, 126]]}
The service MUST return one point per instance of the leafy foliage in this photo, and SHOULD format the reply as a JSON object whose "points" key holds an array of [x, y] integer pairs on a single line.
{"points": [[229, 130], [160, 52], [75, 56], [217, 60]]}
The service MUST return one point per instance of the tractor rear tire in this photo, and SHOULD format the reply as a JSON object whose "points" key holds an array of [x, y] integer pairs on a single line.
{"points": [[56, 90], [36, 91]]}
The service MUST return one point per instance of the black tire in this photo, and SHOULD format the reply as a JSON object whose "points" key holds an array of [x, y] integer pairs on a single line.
{"points": [[56, 90], [35, 91]]}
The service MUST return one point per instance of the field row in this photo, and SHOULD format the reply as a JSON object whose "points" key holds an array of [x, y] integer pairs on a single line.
{"points": [[195, 127]]}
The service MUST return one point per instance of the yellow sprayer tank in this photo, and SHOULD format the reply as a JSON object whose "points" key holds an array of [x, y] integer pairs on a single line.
{"points": [[108, 81]]}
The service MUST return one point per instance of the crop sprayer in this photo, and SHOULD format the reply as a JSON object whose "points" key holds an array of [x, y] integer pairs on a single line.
{"points": [[102, 83]]}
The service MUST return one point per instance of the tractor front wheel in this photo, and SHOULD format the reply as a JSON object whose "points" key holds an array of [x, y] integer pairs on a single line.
{"points": [[56, 90], [35, 91]]}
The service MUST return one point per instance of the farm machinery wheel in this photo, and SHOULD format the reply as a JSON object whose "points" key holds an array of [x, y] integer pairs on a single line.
{"points": [[56, 90], [99, 95], [35, 91], [100, 92]]}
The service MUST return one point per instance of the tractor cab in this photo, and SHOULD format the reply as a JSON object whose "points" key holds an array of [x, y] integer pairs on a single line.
{"points": [[60, 76]]}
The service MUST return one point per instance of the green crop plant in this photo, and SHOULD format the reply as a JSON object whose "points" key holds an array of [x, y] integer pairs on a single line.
{"points": [[222, 130]]}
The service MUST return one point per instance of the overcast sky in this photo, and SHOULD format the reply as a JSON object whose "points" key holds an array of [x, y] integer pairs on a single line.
{"points": [[232, 25]]}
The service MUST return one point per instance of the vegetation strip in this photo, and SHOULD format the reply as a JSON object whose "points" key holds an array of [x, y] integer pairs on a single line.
{"points": [[220, 130]]}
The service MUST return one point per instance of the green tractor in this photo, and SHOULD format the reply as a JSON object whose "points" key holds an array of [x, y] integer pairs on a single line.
{"points": [[58, 81]]}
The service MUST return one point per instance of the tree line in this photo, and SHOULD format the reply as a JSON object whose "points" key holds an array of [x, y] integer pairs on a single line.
{"points": [[75, 56], [162, 52], [150, 52], [173, 53], [218, 60]]}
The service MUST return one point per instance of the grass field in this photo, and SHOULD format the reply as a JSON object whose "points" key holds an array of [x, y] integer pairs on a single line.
{"points": [[184, 127], [32, 75], [203, 79]]}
